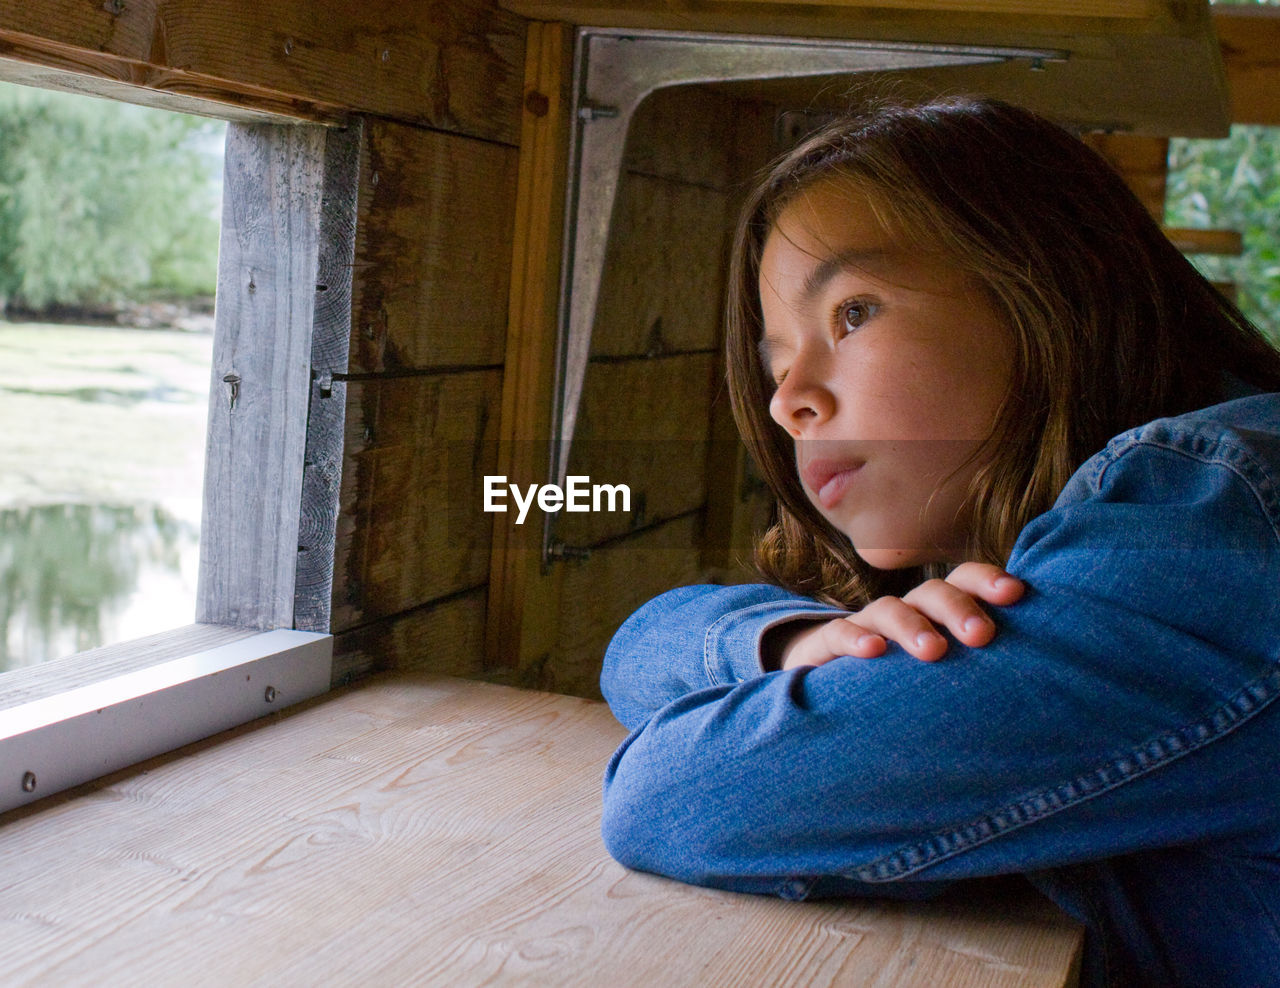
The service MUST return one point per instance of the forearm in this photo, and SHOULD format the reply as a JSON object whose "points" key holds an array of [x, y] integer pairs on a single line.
{"points": [[693, 638]]}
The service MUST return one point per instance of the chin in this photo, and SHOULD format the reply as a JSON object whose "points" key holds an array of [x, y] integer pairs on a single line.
{"points": [[890, 559], [893, 558]]}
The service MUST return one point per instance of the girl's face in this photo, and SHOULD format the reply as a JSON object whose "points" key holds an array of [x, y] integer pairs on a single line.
{"points": [[890, 367]]}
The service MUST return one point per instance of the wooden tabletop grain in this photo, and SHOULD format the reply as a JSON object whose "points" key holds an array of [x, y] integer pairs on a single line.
{"points": [[434, 831]]}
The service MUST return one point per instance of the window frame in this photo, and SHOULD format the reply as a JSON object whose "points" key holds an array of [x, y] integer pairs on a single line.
{"points": [[273, 468]]}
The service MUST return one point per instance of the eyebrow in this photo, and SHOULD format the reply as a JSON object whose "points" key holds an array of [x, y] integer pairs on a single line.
{"points": [[851, 258]]}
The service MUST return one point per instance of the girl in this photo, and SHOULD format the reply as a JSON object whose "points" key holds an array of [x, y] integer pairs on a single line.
{"points": [[939, 317]]}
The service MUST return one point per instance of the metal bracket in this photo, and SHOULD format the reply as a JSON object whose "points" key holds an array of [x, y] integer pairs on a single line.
{"points": [[614, 71]]}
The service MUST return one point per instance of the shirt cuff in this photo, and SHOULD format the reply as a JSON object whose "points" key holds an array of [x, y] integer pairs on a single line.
{"points": [[731, 650]]}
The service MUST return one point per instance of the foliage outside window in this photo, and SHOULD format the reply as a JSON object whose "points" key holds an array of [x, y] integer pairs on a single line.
{"points": [[1234, 184], [109, 219]]}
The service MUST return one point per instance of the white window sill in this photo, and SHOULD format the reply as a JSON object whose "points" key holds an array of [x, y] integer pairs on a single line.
{"points": [[52, 742]]}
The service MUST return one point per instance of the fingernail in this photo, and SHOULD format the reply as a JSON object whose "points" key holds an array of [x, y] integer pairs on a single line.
{"points": [[867, 641], [925, 639], [1003, 582], [974, 623]]}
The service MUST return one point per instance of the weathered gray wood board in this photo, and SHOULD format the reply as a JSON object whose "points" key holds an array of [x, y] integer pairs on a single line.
{"points": [[261, 374]]}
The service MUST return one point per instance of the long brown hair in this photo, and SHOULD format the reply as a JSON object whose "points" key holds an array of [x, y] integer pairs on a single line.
{"points": [[1112, 326]]}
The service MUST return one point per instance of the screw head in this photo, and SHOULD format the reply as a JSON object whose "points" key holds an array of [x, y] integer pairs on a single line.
{"points": [[270, 694], [29, 782]]}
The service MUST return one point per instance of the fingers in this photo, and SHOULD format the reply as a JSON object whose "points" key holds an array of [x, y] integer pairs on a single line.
{"points": [[820, 644], [909, 621], [914, 621], [953, 604], [987, 582]]}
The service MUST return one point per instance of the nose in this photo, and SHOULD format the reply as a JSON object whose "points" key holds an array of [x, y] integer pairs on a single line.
{"points": [[803, 399]]}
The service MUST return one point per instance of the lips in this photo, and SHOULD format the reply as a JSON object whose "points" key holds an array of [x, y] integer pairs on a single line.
{"points": [[828, 478]]}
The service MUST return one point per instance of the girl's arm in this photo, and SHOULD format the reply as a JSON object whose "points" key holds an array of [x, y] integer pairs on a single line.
{"points": [[1126, 703]]}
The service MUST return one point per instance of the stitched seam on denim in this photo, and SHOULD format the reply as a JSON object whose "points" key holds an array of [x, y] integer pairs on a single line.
{"points": [[787, 888], [1218, 452], [1144, 758], [707, 646]]}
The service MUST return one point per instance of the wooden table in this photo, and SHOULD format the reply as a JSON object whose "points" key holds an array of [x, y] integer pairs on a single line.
{"points": [[423, 830]]}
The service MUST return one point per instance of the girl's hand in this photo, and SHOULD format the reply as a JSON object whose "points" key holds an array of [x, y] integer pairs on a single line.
{"points": [[912, 621]]}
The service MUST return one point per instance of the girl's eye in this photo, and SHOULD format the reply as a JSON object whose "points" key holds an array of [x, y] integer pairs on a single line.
{"points": [[852, 314]]}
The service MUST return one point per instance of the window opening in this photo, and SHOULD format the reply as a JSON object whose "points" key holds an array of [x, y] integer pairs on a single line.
{"points": [[1234, 184], [109, 216]]}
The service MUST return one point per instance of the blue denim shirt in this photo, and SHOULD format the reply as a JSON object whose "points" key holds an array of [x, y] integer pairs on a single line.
{"points": [[1118, 742]]}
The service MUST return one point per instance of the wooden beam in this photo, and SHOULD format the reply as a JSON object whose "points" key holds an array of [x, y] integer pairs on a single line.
{"points": [[456, 67], [47, 65], [788, 16], [1227, 243], [326, 412], [523, 599], [261, 375], [1159, 73], [1051, 8], [1250, 39]]}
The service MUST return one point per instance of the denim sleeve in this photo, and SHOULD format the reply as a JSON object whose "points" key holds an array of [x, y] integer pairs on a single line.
{"points": [[1127, 702], [691, 638]]}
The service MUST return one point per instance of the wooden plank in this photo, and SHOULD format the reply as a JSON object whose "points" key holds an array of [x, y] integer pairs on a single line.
{"points": [[261, 375], [461, 823], [433, 252], [739, 503], [655, 442], [445, 637], [1250, 39], [658, 143], [831, 18], [1159, 75], [1060, 8], [1228, 243], [330, 338], [456, 67], [50, 66], [411, 526], [602, 591], [662, 289], [521, 596]]}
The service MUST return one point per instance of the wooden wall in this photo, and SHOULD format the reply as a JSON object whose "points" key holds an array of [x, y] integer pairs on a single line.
{"points": [[440, 92], [440, 96], [653, 404]]}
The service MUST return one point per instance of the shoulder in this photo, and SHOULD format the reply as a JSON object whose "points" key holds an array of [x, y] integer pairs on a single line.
{"points": [[1220, 459]]}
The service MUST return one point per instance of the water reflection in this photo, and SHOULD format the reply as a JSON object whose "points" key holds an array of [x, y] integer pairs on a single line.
{"points": [[69, 571]]}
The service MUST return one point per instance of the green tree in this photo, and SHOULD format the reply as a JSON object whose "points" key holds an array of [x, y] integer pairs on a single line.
{"points": [[1234, 184], [103, 201]]}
